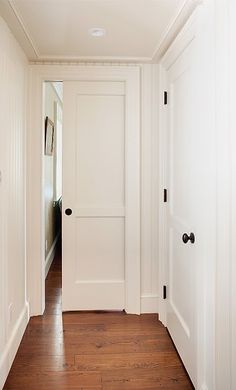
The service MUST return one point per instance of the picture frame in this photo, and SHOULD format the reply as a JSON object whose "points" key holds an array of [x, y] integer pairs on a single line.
{"points": [[49, 137]]}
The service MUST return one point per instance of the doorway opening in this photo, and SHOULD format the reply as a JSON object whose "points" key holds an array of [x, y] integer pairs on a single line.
{"points": [[52, 161]]}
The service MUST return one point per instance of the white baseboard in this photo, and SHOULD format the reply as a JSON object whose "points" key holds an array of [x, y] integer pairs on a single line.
{"points": [[50, 256], [149, 303], [12, 345]]}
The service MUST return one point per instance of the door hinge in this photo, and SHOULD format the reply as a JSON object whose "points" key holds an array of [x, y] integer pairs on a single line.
{"points": [[164, 292], [165, 195], [165, 97]]}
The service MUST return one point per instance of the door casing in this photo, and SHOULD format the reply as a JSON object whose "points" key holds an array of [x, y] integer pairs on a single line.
{"points": [[130, 75]]}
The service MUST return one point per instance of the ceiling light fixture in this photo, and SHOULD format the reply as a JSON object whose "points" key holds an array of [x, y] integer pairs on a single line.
{"points": [[97, 32]]}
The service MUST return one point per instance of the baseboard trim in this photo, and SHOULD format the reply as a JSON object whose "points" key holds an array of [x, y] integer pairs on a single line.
{"points": [[50, 256], [12, 345], [149, 303]]}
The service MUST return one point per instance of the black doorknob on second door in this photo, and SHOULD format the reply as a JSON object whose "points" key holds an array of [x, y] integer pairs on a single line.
{"points": [[68, 211], [187, 238]]}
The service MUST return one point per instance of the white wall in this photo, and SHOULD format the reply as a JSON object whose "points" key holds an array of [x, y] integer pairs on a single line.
{"points": [[13, 95]]}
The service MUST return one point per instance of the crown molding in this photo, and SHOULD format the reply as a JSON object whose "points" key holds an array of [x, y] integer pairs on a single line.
{"points": [[184, 12], [21, 23], [14, 21], [99, 59], [9, 12]]}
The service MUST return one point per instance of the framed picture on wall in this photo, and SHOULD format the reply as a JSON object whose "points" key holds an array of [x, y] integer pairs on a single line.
{"points": [[49, 136]]}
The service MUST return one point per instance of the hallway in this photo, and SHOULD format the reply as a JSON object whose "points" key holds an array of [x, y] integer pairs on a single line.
{"points": [[109, 351]]}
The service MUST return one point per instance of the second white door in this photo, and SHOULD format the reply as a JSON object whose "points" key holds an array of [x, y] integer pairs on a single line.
{"points": [[183, 205], [191, 196]]}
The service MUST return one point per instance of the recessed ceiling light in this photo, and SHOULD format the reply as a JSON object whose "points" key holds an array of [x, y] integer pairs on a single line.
{"points": [[97, 32]]}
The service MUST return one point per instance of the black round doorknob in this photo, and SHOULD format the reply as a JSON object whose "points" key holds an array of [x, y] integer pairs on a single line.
{"points": [[68, 211], [187, 238]]}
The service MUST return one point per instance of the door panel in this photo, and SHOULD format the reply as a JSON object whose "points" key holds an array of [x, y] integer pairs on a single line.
{"points": [[100, 135], [104, 260], [182, 203], [97, 158]]}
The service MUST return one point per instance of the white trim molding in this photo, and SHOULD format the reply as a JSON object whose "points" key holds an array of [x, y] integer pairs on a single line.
{"points": [[9, 352], [177, 23], [18, 29]]}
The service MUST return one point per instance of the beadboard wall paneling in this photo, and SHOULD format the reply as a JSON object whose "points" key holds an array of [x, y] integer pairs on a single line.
{"points": [[13, 114]]}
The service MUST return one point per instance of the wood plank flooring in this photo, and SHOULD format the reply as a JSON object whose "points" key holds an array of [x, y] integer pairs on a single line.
{"points": [[94, 350]]}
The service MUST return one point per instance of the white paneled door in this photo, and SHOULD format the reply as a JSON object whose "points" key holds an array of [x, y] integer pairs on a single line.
{"points": [[183, 206], [97, 186]]}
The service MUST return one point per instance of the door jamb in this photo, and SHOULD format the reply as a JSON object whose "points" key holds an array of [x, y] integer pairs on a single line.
{"points": [[162, 152]]}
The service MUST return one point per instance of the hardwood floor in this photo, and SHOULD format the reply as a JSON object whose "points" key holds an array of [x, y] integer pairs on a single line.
{"points": [[94, 350]]}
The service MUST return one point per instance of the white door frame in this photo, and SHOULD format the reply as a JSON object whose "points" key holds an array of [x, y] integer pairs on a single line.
{"points": [[205, 292], [35, 174]]}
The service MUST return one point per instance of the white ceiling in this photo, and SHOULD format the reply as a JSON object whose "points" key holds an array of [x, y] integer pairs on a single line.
{"points": [[136, 30]]}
